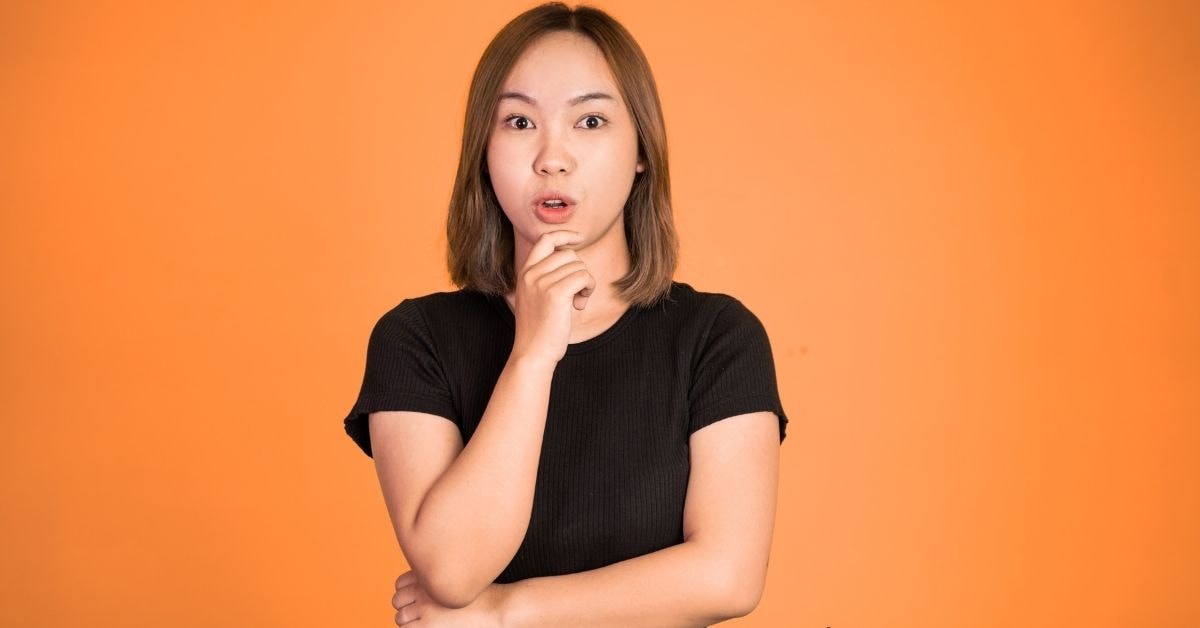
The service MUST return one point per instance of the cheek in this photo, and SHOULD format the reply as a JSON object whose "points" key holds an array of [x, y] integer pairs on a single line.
{"points": [[493, 157], [624, 151], [500, 160], [509, 187], [619, 168]]}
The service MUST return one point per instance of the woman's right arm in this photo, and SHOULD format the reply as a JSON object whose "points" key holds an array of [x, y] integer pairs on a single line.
{"points": [[460, 513]]}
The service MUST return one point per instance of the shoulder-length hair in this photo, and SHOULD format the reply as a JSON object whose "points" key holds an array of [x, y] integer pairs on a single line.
{"points": [[480, 236]]}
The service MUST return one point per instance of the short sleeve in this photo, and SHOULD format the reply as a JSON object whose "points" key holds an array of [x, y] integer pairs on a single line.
{"points": [[402, 373], [734, 372]]}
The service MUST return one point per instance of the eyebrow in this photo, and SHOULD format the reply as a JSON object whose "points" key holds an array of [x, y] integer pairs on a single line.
{"points": [[570, 103]]}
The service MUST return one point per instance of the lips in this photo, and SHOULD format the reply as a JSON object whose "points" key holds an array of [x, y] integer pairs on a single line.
{"points": [[552, 195], [551, 212]]}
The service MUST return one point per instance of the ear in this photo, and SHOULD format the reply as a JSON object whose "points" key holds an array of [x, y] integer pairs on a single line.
{"points": [[641, 167]]}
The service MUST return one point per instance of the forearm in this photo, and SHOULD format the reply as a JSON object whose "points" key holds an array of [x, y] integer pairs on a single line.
{"points": [[683, 585], [475, 516]]}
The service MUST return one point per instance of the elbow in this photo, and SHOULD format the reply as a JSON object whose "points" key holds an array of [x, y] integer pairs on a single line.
{"points": [[743, 602], [448, 588], [449, 597], [444, 579], [740, 591]]}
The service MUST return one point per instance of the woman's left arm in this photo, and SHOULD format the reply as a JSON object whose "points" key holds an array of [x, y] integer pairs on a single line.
{"points": [[717, 573]]}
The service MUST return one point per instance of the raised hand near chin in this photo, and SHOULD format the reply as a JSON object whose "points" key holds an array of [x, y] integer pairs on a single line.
{"points": [[552, 282]]}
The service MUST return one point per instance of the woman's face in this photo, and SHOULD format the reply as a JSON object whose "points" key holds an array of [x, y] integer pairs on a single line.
{"points": [[562, 129]]}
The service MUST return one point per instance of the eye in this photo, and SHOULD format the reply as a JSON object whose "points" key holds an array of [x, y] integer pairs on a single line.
{"points": [[600, 121], [520, 118]]}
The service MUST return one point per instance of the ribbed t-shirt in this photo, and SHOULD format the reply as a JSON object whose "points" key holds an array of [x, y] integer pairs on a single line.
{"points": [[613, 471]]}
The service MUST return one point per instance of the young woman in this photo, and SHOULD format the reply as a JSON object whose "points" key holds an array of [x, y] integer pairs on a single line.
{"points": [[571, 438]]}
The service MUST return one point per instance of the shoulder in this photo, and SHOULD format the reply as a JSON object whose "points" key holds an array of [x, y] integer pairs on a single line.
{"points": [[436, 309], [708, 312], [436, 321]]}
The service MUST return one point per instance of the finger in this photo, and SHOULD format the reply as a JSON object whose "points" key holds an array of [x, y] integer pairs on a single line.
{"points": [[581, 298], [403, 597], [406, 578], [577, 282], [550, 262], [556, 275], [549, 242], [407, 615], [574, 280]]}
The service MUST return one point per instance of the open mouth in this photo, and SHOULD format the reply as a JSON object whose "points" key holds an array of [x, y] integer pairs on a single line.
{"points": [[551, 212], [553, 199]]}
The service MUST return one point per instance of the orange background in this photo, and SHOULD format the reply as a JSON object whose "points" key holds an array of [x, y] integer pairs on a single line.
{"points": [[973, 235]]}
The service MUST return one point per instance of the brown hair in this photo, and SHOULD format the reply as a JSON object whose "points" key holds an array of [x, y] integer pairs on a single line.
{"points": [[480, 236]]}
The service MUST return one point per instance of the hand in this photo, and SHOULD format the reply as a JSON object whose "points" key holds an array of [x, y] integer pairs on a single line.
{"points": [[553, 280], [414, 608]]}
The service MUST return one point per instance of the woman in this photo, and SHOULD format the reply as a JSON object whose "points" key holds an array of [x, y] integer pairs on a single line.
{"points": [[538, 433]]}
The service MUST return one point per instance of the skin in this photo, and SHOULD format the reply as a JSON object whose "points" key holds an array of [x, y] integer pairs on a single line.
{"points": [[460, 513], [587, 150]]}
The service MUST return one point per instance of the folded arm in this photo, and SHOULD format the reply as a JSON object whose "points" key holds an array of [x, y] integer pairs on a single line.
{"points": [[717, 573], [460, 513]]}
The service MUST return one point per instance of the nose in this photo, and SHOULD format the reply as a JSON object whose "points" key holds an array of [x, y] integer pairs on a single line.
{"points": [[554, 156]]}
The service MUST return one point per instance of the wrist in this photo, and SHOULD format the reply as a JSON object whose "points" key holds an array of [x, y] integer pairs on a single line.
{"points": [[532, 364]]}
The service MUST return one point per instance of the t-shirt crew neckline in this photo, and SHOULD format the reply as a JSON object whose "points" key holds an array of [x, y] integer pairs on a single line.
{"points": [[501, 306]]}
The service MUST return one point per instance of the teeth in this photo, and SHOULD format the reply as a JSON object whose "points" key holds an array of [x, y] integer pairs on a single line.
{"points": [[554, 203]]}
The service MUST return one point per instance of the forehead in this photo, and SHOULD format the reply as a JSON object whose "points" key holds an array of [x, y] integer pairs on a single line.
{"points": [[558, 64]]}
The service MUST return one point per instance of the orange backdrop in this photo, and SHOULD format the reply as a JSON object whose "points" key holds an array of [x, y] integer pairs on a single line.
{"points": [[971, 232]]}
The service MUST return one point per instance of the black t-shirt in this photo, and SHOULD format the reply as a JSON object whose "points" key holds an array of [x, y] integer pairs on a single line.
{"points": [[613, 471]]}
